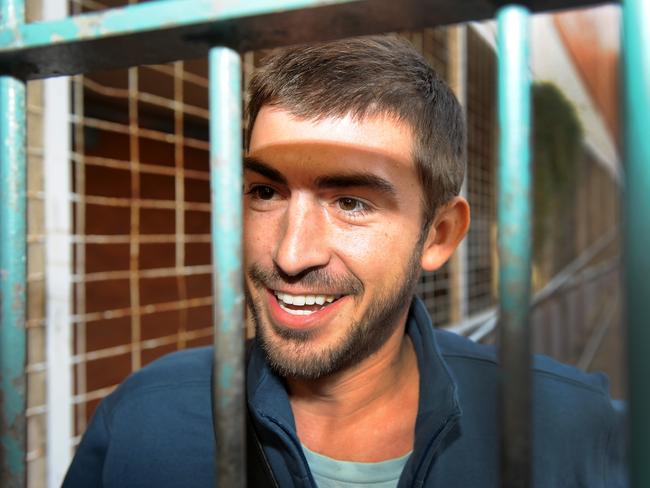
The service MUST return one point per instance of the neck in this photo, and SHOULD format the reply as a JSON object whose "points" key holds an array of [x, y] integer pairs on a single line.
{"points": [[351, 391], [366, 413]]}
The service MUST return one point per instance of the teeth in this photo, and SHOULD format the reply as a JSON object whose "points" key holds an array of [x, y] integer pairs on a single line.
{"points": [[301, 300], [293, 311]]}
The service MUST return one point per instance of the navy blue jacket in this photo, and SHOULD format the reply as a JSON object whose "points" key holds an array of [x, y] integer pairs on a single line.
{"points": [[155, 430]]}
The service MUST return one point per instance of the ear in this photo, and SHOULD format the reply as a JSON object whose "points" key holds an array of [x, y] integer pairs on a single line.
{"points": [[448, 228]]}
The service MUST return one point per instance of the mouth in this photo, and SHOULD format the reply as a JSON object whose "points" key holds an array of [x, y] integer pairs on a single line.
{"points": [[296, 304], [303, 311]]}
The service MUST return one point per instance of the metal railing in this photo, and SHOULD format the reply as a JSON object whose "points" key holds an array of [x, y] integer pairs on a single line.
{"points": [[157, 32], [575, 277]]}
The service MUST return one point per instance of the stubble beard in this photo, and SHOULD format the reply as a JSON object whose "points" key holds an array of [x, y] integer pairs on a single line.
{"points": [[292, 353]]}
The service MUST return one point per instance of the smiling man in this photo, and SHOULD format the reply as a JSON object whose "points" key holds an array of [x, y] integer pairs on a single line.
{"points": [[352, 172]]}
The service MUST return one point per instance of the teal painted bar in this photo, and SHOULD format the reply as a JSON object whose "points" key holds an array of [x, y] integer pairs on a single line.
{"points": [[227, 229], [636, 123], [163, 31], [12, 267], [514, 241], [156, 15]]}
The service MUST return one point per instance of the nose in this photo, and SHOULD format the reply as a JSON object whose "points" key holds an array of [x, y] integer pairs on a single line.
{"points": [[303, 239]]}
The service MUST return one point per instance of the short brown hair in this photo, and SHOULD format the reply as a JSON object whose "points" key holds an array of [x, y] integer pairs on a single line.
{"points": [[370, 76]]}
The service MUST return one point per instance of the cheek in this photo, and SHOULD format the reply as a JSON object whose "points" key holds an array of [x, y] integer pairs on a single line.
{"points": [[371, 248], [258, 232]]}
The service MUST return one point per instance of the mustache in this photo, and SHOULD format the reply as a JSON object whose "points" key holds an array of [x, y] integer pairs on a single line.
{"points": [[316, 278]]}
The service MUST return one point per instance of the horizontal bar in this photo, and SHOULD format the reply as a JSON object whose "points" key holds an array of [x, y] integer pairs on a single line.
{"points": [[109, 352], [146, 98], [514, 242], [186, 335], [93, 395], [119, 202], [186, 76], [143, 273], [117, 313], [636, 121], [164, 31], [141, 238], [152, 169], [142, 133]]}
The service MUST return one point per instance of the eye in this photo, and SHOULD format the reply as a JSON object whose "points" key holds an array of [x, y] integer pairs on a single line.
{"points": [[262, 192], [352, 205]]}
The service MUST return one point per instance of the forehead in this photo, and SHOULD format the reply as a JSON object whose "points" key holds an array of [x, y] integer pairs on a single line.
{"points": [[376, 137]]}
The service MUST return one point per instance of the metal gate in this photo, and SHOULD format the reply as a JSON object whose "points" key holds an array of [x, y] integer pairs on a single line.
{"points": [[164, 31]]}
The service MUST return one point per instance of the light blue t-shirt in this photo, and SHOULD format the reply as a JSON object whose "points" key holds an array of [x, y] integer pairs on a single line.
{"points": [[332, 473]]}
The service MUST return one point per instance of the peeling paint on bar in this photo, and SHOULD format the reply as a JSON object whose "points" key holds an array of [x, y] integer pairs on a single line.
{"points": [[636, 118], [514, 227], [142, 17], [227, 229], [163, 31], [12, 268]]}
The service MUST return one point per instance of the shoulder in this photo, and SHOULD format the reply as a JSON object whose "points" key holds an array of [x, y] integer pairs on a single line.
{"points": [[577, 429], [177, 368], [566, 402], [156, 428], [166, 377], [464, 355]]}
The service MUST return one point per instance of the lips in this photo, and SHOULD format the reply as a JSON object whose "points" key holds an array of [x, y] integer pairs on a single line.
{"points": [[301, 310], [303, 304]]}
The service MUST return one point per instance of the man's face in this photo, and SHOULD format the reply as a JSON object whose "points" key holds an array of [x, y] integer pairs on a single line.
{"points": [[333, 237]]}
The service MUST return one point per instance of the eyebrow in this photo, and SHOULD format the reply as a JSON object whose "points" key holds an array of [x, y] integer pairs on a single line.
{"points": [[343, 180], [257, 166], [357, 180]]}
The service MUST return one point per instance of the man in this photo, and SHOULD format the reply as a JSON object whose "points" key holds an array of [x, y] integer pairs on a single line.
{"points": [[352, 173]]}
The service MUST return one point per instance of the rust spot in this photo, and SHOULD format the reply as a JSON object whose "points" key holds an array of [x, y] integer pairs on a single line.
{"points": [[18, 302], [13, 432]]}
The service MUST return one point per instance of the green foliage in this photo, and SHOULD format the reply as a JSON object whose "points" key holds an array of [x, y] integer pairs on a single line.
{"points": [[557, 149]]}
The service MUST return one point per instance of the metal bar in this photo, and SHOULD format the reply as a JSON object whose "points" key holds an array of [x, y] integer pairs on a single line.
{"points": [[13, 246], [164, 31], [179, 194], [514, 234], [134, 220], [228, 306], [636, 119], [58, 268], [58, 259], [457, 73]]}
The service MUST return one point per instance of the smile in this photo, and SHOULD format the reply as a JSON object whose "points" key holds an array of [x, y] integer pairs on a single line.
{"points": [[303, 304]]}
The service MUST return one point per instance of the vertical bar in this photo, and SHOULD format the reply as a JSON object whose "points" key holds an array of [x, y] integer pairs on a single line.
{"points": [[12, 266], [58, 272], [636, 120], [134, 229], [226, 194], [457, 75], [514, 234], [58, 266], [79, 228], [179, 194]]}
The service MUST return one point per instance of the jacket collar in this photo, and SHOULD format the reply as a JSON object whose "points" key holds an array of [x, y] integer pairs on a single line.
{"points": [[438, 408]]}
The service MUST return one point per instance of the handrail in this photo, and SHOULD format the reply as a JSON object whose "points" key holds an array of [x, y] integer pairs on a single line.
{"points": [[482, 324]]}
